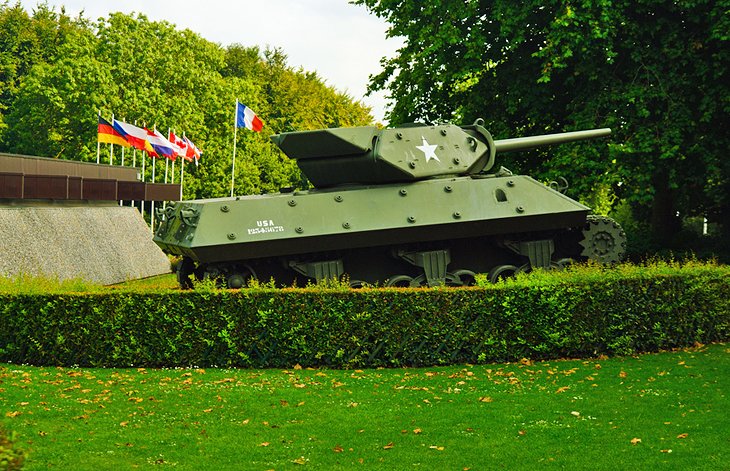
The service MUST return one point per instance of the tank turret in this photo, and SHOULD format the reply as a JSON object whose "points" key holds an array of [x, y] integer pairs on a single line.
{"points": [[368, 155]]}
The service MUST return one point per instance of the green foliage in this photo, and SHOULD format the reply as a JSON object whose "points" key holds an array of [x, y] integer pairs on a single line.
{"points": [[584, 311], [11, 457], [56, 73], [653, 71]]}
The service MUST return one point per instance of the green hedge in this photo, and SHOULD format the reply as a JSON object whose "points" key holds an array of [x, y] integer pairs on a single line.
{"points": [[580, 313]]}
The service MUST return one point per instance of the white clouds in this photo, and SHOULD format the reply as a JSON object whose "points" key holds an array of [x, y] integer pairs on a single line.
{"points": [[342, 42]]}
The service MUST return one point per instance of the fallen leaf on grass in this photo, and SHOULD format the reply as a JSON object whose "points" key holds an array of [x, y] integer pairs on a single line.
{"points": [[264, 444], [388, 446], [434, 447], [622, 374], [485, 399], [123, 424], [682, 435], [562, 389], [575, 413], [634, 441], [417, 431], [301, 459], [666, 451], [338, 449], [13, 414]]}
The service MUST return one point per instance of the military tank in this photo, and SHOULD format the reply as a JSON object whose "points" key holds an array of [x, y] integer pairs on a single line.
{"points": [[418, 205]]}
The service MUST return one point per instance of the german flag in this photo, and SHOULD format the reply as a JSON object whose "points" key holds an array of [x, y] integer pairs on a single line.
{"points": [[108, 135]]}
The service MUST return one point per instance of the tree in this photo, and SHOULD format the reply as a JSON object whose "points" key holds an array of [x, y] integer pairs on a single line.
{"points": [[26, 40], [57, 73], [656, 71]]}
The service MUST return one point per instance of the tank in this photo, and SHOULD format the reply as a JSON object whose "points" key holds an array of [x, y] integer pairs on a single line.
{"points": [[417, 205]]}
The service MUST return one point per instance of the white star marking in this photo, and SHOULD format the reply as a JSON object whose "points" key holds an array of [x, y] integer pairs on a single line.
{"points": [[429, 150]]}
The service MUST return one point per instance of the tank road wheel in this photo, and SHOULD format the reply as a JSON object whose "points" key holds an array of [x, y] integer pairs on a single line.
{"points": [[603, 240], [357, 284], [400, 281], [562, 263], [461, 278], [185, 269], [240, 277], [502, 272]]}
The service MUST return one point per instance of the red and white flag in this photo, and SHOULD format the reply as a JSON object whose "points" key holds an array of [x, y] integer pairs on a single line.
{"points": [[192, 151]]}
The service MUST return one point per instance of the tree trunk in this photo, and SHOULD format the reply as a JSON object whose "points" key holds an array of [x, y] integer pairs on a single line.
{"points": [[665, 223]]}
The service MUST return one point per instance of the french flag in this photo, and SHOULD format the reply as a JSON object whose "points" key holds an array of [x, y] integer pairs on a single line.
{"points": [[246, 118]]}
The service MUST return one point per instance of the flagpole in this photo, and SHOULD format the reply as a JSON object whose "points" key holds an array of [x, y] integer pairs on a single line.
{"points": [[174, 155], [235, 135], [98, 144], [182, 171], [123, 150], [134, 164], [134, 152], [111, 147], [182, 176]]}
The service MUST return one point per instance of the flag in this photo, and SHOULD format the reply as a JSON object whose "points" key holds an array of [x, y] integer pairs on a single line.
{"points": [[192, 151], [161, 145], [106, 134], [179, 144], [137, 137], [246, 118]]}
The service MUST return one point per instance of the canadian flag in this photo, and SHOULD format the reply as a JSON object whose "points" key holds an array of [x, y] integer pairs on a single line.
{"points": [[179, 145]]}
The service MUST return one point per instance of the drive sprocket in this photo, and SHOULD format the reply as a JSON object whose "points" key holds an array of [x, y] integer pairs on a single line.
{"points": [[604, 240]]}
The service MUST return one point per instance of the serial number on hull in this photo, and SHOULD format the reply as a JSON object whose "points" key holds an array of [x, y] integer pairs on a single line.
{"points": [[265, 226]]}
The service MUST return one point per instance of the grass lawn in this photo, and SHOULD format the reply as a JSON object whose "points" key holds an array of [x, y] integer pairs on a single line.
{"points": [[666, 411]]}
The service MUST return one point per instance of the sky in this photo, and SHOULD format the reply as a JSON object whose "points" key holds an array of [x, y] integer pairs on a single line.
{"points": [[343, 43]]}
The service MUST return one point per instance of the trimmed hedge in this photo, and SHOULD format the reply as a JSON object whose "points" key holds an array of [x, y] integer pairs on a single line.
{"points": [[581, 313]]}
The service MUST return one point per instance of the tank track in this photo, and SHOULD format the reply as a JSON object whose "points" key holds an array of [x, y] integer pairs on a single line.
{"points": [[449, 263]]}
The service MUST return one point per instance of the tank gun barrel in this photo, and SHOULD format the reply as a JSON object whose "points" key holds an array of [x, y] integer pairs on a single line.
{"points": [[524, 143]]}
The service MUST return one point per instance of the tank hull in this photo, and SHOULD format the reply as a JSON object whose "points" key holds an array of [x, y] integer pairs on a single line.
{"points": [[361, 227]]}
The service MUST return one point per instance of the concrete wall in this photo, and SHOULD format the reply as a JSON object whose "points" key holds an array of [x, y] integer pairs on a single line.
{"points": [[104, 244]]}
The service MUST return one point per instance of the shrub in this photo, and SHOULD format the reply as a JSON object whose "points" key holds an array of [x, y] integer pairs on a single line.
{"points": [[581, 312]]}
